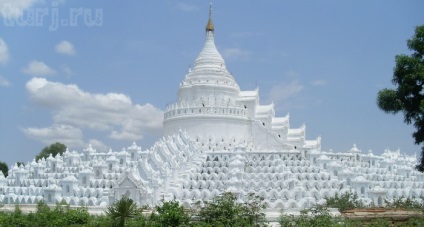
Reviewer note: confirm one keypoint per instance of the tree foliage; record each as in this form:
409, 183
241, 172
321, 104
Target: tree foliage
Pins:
346, 201
317, 216
408, 96
61, 215
53, 149
225, 210
171, 213
121, 211
405, 203
4, 168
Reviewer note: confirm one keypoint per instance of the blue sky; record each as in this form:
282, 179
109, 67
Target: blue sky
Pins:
101, 72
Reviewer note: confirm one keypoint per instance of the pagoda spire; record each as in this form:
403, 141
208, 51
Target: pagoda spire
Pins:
209, 26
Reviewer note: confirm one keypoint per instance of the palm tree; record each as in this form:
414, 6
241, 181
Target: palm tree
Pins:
122, 210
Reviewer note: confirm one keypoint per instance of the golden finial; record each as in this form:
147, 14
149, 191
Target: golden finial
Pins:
209, 26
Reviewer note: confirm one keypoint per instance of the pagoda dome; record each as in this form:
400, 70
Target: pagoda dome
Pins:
360, 179
209, 76
378, 189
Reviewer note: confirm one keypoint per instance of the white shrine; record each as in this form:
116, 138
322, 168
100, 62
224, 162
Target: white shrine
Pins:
217, 138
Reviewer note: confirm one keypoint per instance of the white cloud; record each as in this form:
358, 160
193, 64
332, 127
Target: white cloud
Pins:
4, 52
67, 71
290, 74
98, 145
185, 7
318, 82
15, 8
66, 134
38, 68
288, 95
236, 53
65, 47
292, 93
112, 112
4, 82
284, 91
124, 135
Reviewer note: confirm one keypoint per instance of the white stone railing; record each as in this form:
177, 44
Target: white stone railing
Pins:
182, 111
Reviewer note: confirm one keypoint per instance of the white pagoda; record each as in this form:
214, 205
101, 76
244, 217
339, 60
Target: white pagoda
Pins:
217, 138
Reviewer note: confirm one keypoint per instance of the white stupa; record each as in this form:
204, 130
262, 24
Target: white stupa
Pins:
212, 109
217, 138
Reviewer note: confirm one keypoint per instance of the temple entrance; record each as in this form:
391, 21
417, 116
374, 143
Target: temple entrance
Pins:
380, 201
127, 194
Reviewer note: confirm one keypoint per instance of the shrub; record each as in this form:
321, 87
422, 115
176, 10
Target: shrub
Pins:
225, 210
100, 221
79, 216
346, 201
121, 211
404, 203
317, 216
171, 213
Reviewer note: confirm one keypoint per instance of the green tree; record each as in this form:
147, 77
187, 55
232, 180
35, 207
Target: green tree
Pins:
121, 211
225, 210
346, 201
171, 213
317, 216
405, 203
408, 96
252, 207
4, 168
43, 214
54, 149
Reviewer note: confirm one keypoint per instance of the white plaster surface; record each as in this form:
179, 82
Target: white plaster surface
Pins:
216, 139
